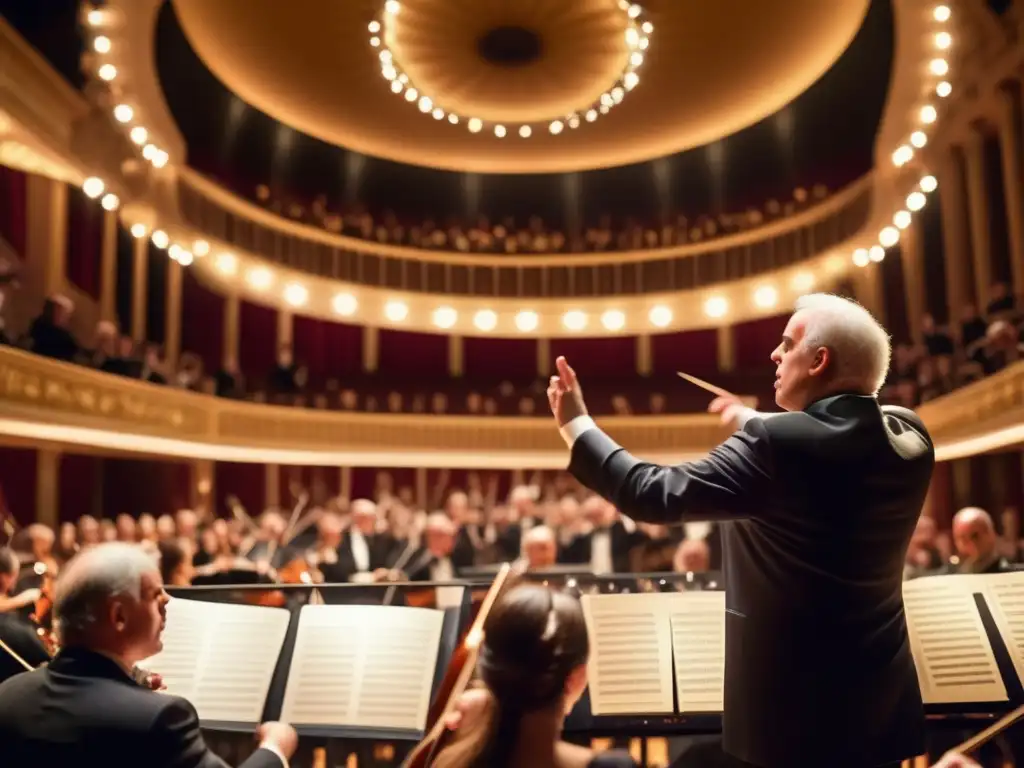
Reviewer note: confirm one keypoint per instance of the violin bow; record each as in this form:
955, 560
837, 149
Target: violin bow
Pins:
11, 652
992, 731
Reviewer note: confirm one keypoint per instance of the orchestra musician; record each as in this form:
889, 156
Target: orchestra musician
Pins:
977, 544
822, 502
532, 669
111, 607
365, 552
15, 631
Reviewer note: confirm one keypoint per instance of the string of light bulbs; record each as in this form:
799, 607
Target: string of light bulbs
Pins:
638, 32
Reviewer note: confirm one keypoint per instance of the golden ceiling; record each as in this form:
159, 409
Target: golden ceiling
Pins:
711, 69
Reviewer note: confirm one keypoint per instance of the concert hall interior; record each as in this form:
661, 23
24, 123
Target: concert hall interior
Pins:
282, 290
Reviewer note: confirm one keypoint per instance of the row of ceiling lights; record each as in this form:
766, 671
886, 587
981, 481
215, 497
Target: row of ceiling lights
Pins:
938, 67
295, 294
97, 19
637, 40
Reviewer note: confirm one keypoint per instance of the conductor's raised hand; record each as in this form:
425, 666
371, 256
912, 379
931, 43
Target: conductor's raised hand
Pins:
564, 394
730, 408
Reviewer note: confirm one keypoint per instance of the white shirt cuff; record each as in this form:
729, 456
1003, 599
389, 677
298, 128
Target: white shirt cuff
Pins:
575, 428
272, 748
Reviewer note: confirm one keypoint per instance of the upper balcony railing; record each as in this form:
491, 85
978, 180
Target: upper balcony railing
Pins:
222, 215
47, 402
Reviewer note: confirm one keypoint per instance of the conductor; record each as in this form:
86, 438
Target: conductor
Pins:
821, 502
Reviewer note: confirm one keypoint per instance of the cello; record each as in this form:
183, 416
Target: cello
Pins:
459, 674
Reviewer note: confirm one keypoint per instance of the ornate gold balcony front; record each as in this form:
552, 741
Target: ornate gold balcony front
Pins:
43, 401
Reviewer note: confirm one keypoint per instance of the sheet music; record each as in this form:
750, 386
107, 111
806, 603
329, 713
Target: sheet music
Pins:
363, 665
955, 663
1004, 594
221, 656
631, 653
698, 648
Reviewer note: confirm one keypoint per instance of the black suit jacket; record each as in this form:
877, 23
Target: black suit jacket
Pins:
83, 709
383, 549
823, 503
20, 636
579, 550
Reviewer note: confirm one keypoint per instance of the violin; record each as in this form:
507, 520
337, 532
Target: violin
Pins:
42, 612
459, 674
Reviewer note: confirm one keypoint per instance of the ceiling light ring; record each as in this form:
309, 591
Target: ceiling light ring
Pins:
638, 33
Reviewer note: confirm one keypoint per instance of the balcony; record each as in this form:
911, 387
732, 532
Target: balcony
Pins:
42, 401
212, 212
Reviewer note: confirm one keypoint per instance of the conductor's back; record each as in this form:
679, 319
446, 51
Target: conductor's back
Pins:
818, 506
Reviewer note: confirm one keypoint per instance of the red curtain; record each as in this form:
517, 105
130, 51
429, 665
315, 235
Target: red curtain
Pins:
245, 481
80, 492
328, 350
689, 351
18, 482
489, 359
136, 486
202, 322
13, 206
755, 340
613, 357
363, 482
409, 354
84, 241
257, 342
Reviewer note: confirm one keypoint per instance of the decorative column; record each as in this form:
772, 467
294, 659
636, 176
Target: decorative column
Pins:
455, 356
48, 486
371, 348
232, 315
172, 322
46, 224
285, 329
912, 256
644, 357
345, 483
544, 358
140, 268
956, 245
272, 486
108, 267
1013, 185
981, 236
422, 489
962, 496
202, 498
867, 287
726, 348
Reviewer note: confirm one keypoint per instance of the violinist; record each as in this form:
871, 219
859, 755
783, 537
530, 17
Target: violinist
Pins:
365, 551
324, 559
532, 670
175, 564
16, 632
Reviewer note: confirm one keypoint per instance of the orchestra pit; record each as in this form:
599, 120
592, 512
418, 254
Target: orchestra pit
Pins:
455, 383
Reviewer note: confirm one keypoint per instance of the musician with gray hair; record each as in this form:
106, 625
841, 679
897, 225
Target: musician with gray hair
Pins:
87, 706
818, 503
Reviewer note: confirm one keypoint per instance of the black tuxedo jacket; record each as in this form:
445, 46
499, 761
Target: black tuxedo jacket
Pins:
579, 549
20, 637
83, 709
823, 503
420, 563
383, 549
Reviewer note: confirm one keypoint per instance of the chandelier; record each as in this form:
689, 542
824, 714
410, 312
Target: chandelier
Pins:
638, 33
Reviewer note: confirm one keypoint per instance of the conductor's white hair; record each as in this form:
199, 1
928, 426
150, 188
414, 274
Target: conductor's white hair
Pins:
540, 534
92, 578
859, 346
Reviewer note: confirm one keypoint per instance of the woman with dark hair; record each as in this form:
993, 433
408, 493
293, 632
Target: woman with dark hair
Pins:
532, 669
175, 564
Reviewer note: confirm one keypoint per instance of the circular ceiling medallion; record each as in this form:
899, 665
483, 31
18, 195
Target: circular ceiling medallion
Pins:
712, 69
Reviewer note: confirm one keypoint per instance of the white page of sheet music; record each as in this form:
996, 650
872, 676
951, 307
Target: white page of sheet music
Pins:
954, 659
221, 657
363, 665
1004, 594
631, 653
698, 648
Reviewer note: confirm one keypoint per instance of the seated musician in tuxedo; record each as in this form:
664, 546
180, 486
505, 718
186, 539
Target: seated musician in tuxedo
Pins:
85, 707
16, 632
607, 545
365, 553
437, 559
977, 544
540, 548
532, 670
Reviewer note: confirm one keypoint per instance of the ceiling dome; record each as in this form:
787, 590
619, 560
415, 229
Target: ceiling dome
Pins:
710, 70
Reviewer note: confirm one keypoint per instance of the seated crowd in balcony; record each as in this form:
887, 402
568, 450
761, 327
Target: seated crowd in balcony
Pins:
511, 236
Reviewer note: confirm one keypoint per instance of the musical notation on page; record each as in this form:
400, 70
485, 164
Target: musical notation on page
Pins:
631, 654
221, 657
363, 665
954, 658
1004, 595
698, 648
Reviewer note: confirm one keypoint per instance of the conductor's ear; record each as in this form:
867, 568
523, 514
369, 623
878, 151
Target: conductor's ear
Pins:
822, 358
